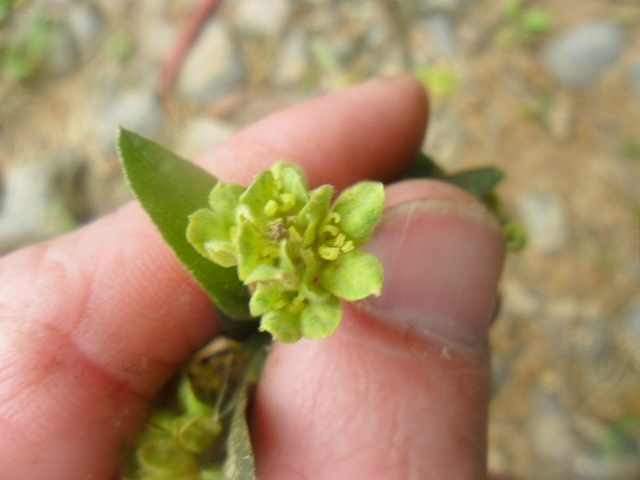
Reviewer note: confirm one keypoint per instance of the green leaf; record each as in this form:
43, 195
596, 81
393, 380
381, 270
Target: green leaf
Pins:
353, 275
479, 182
208, 236
170, 189
239, 464
425, 167
360, 207
283, 325
321, 317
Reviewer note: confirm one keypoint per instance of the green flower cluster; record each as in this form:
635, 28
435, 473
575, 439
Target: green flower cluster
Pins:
173, 441
295, 250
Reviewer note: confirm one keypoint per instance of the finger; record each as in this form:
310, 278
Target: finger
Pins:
401, 390
93, 323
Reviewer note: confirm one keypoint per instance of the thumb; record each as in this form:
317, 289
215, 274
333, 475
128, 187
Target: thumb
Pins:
401, 390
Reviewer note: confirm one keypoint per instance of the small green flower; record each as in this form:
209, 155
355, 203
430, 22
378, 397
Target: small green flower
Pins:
297, 252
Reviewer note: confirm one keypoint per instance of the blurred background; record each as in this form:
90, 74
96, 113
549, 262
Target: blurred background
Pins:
547, 91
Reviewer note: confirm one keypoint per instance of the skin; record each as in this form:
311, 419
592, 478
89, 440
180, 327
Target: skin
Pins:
93, 323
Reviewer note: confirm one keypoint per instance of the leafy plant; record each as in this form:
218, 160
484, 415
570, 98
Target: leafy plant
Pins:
22, 58
524, 25
273, 250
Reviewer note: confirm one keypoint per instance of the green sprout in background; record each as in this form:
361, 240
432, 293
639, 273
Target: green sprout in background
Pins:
523, 25
23, 57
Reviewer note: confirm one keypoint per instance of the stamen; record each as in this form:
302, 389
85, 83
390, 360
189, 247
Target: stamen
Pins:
271, 208
288, 201
339, 240
348, 246
332, 230
328, 253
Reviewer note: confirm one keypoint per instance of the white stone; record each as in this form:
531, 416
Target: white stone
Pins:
579, 57
292, 64
545, 218
200, 135
261, 17
213, 67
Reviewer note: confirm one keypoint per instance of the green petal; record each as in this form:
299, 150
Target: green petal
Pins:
293, 182
254, 199
209, 235
223, 201
321, 316
313, 213
269, 273
283, 325
353, 275
360, 208
251, 247
268, 296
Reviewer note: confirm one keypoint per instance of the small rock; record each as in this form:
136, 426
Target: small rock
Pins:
293, 61
579, 57
31, 211
87, 23
137, 109
63, 54
213, 67
544, 216
635, 79
266, 19
441, 31
519, 300
630, 329
200, 135
550, 429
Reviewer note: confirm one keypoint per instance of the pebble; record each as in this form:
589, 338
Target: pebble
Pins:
87, 24
520, 301
265, 19
579, 57
31, 212
293, 62
137, 109
213, 67
630, 329
550, 429
200, 135
635, 79
545, 218
441, 31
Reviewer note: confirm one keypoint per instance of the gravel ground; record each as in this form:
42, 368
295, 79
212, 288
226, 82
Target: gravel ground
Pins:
547, 91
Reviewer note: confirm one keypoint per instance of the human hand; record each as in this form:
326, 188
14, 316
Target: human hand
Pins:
93, 323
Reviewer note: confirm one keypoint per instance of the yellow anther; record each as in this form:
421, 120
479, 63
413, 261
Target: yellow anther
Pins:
328, 253
332, 217
288, 201
339, 241
347, 247
332, 230
271, 208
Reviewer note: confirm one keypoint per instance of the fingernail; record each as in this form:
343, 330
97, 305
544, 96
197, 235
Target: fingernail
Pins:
442, 260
